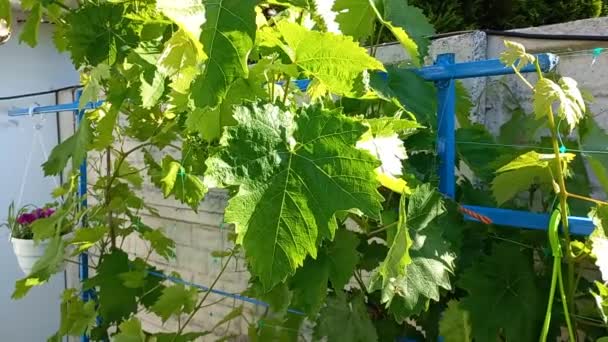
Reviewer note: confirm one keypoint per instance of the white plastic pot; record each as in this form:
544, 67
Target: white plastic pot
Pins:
28, 252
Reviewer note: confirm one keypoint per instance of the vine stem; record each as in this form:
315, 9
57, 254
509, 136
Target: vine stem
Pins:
585, 198
547, 323
202, 301
565, 304
381, 229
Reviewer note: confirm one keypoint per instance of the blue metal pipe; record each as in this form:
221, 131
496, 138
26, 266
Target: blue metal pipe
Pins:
446, 139
66, 107
525, 219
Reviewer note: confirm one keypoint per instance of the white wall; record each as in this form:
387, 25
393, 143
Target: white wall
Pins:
25, 70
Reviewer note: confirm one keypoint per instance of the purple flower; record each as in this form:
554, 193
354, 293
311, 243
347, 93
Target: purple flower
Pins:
26, 218
29, 218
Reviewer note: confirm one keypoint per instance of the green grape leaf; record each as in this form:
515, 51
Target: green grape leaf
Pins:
29, 34
571, 104
130, 331
593, 138
227, 37
152, 88
104, 127
342, 320
455, 325
186, 187
431, 259
76, 315
116, 301
389, 150
356, 18
525, 170
87, 237
398, 257
180, 60
160, 243
601, 300
235, 313
6, 12
335, 263
335, 62
189, 15
74, 147
599, 239
387, 126
175, 300
408, 23
278, 298
49, 264
521, 128
515, 55
503, 299
93, 87
410, 91
49, 227
173, 337
294, 173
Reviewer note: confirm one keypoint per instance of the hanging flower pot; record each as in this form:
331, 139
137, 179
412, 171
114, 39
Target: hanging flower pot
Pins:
27, 250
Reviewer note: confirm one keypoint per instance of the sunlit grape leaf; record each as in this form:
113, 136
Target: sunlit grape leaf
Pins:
398, 256
189, 15
334, 61
116, 301
152, 88
515, 55
356, 18
93, 87
525, 170
571, 104
130, 331
175, 300
390, 152
503, 296
455, 325
6, 12
74, 147
86, 238
104, 127
186, 187
294, 173
50, 263
180, 60
599, 239
334, 264
227, 37
342, 320
76, 315
29, 33
409, 25
601, 300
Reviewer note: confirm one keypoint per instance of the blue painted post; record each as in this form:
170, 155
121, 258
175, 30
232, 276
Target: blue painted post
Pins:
82, 193
446, 140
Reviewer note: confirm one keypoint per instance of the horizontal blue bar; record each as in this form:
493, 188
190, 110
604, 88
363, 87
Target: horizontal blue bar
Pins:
66, 107
490, 67
529, 220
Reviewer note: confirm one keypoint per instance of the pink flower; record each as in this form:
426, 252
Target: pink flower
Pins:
26, 218
29, 218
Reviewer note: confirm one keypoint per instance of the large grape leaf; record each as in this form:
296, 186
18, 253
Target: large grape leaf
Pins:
455, 325
599, 239
525, 170
180, 60
431, 256
130, 331
409, 25
77, 316
189, 15
593, 138
175, 300
335, 263
335, 62
398, 256
50, 263
571, 105
74, 147
503, 296
294, 173
342, 320
116, 301
228, 36
356, 18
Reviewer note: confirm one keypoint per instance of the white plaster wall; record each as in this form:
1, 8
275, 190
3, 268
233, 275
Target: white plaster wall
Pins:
24, 70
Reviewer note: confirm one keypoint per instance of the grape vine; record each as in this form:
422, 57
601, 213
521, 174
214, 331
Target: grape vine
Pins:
332, 190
